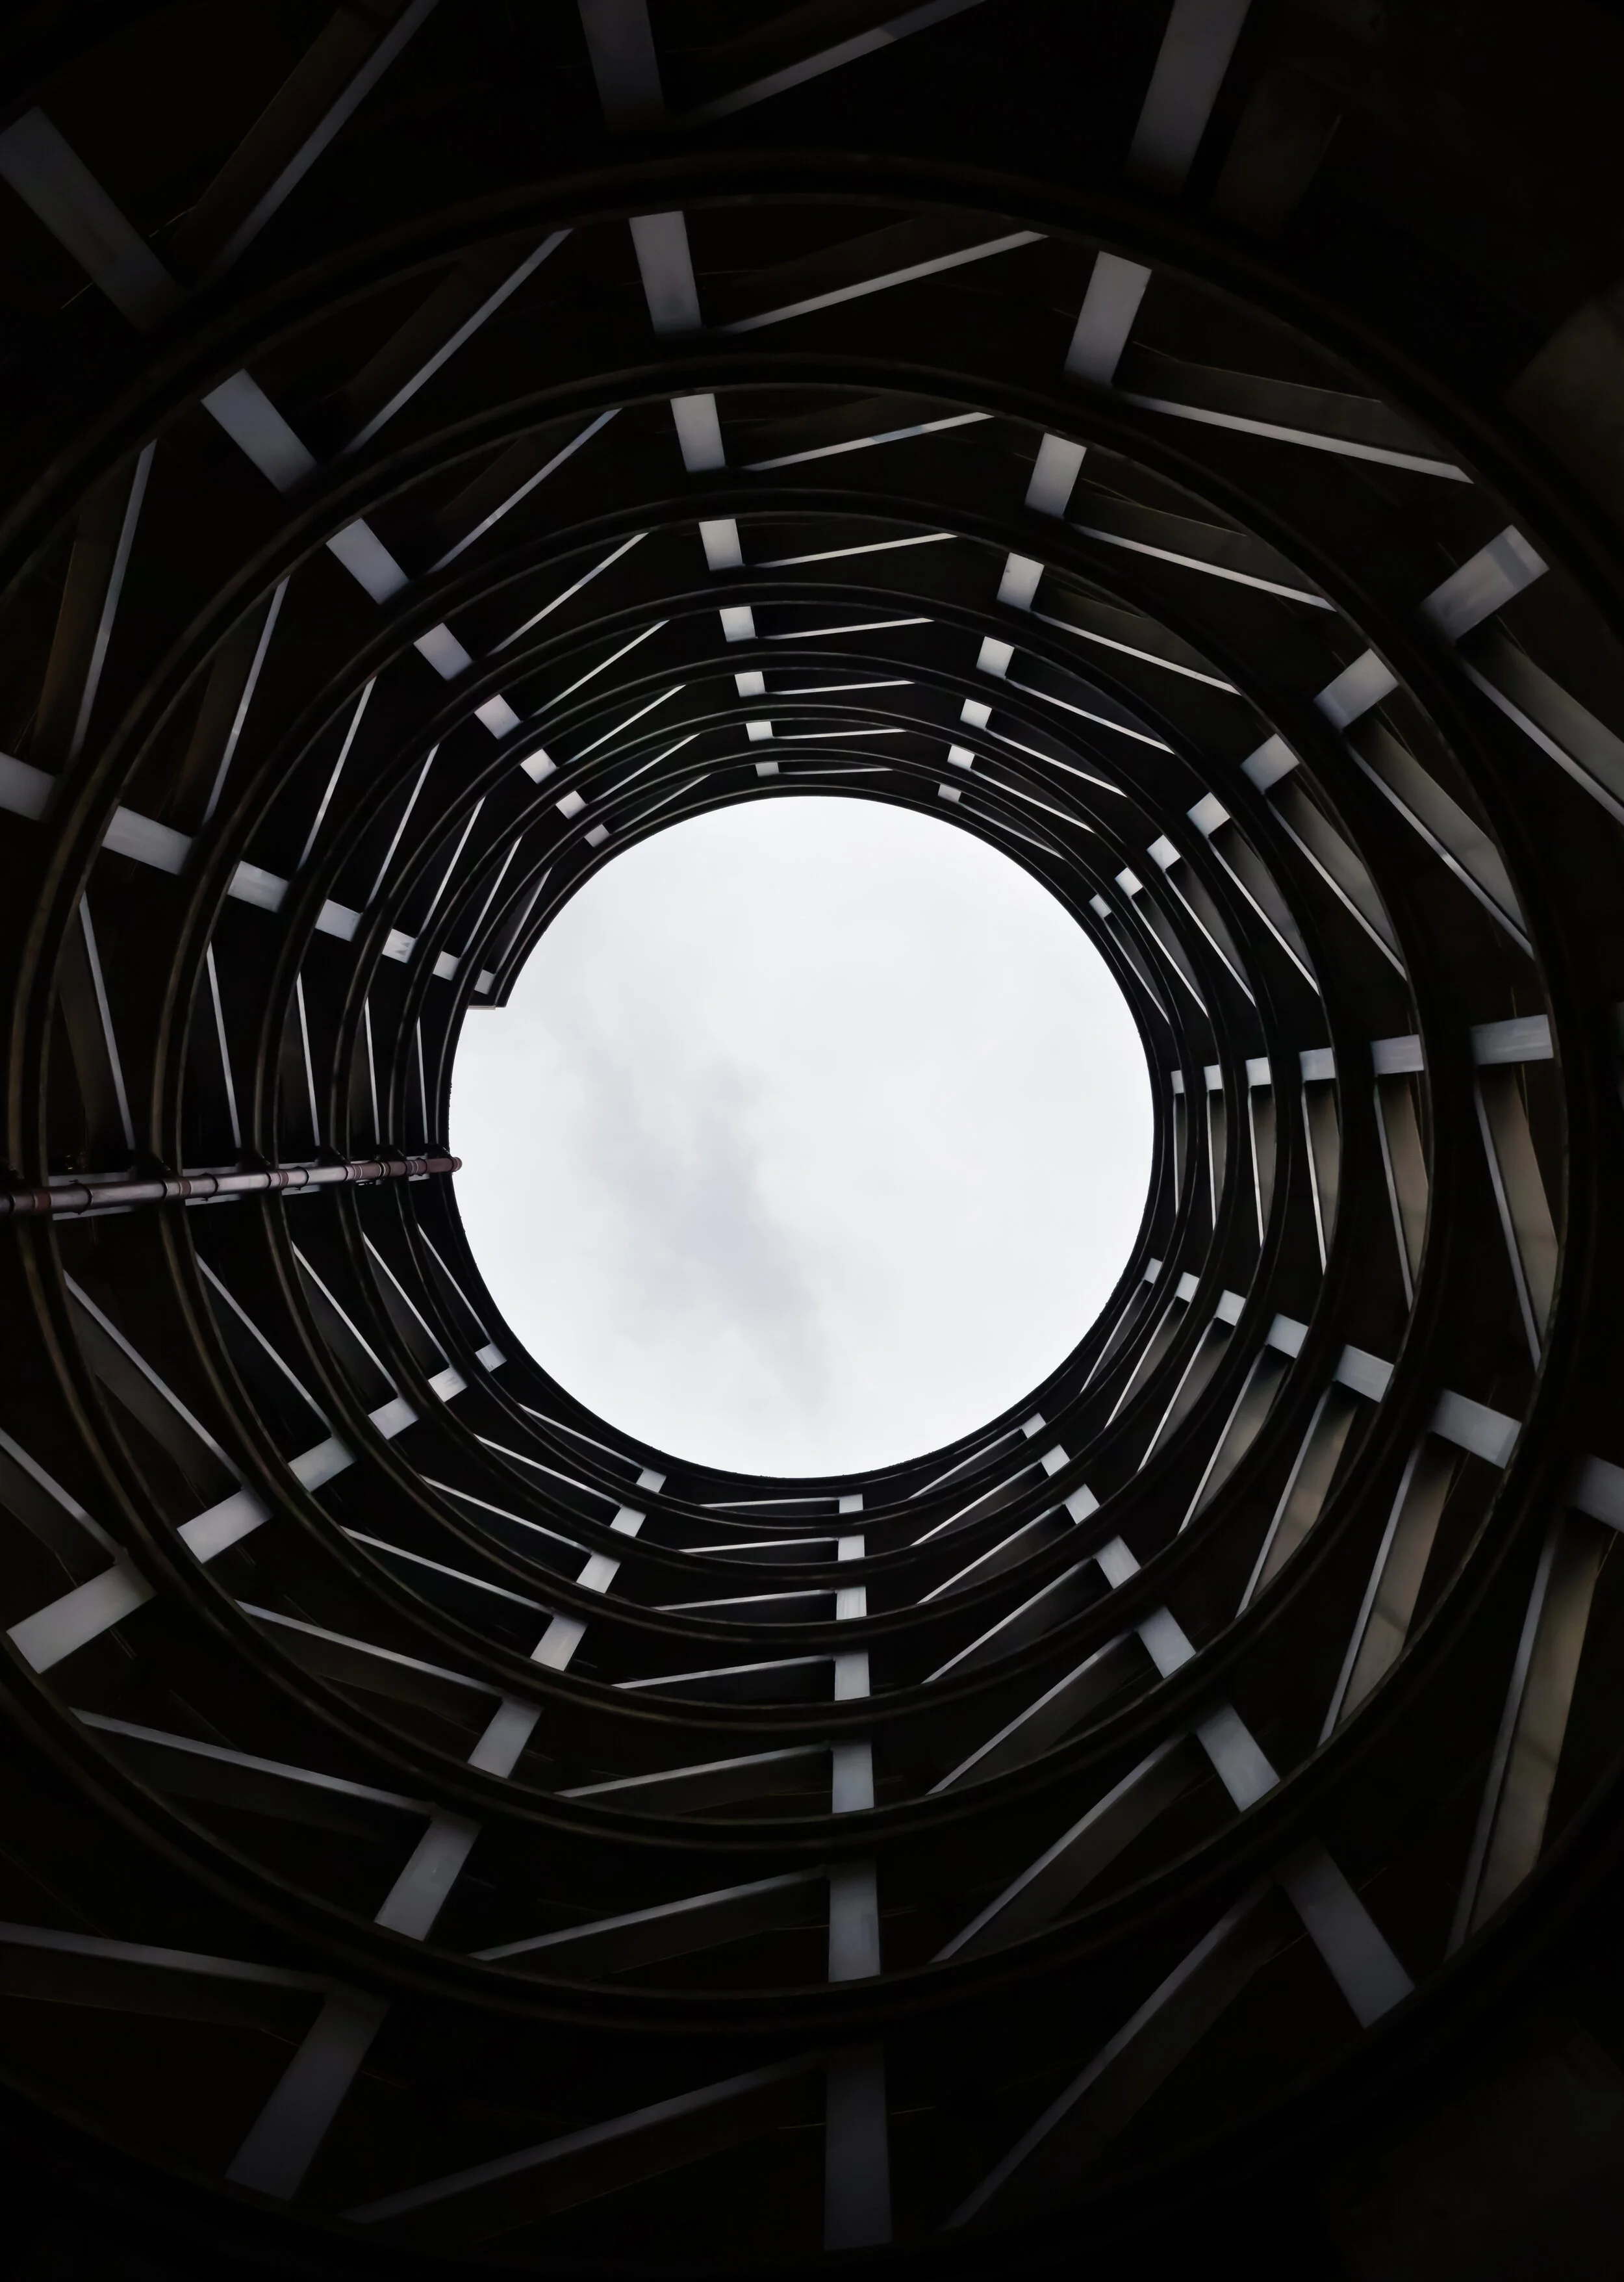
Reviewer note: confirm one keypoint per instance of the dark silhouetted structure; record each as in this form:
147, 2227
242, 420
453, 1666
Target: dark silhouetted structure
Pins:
1174, 1827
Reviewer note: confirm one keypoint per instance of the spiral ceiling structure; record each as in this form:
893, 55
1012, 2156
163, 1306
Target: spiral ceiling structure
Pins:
447, 444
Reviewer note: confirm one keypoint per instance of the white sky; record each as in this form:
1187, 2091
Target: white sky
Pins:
815, 1134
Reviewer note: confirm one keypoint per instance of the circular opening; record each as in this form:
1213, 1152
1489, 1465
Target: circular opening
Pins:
815, 1133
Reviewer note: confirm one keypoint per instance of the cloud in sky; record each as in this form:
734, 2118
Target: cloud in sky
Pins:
815, 1133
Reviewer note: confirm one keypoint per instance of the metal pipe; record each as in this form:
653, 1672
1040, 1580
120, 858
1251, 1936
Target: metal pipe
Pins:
189, 1188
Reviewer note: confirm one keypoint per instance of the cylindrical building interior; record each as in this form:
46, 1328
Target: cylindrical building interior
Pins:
446, 446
